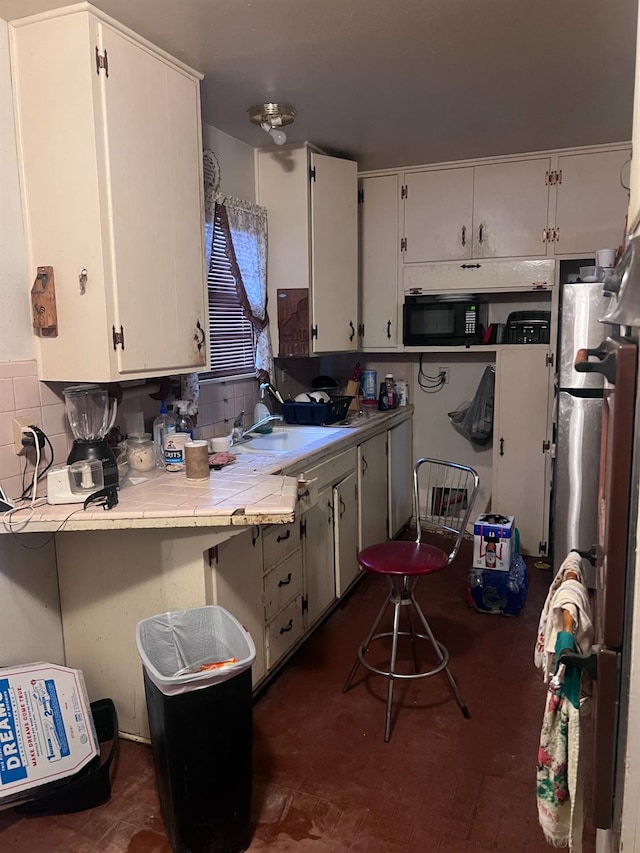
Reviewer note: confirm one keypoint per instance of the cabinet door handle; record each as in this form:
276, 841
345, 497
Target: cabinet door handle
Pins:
353, 331
255, 538
502, 447
365, 465
330, 508
199, 333
389, 329
288, 628
287, 582
342, 507
480, 233
463, 235
283, 537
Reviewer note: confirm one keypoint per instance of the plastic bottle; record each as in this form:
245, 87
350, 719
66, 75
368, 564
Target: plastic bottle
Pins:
391, 391
383, 401
262, 410
184, 421
164, 423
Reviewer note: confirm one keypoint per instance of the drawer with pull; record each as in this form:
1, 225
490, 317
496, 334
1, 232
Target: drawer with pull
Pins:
278, 541
283, 632
282, 584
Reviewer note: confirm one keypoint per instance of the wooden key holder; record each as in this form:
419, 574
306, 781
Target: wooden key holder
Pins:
43, 303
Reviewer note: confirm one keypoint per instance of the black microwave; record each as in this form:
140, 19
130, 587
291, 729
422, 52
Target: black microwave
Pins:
437, 320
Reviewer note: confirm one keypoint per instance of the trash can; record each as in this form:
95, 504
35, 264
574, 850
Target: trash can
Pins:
197, 677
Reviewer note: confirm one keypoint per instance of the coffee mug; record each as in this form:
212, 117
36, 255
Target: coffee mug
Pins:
220, 444
605, 258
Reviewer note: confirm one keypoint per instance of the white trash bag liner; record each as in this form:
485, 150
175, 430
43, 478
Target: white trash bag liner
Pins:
173, 646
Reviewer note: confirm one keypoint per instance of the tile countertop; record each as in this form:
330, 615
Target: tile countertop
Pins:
255, 489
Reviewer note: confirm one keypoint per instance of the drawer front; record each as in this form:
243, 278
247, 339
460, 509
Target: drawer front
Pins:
333, 470
284, 631
278, 542
282, 584
485, 276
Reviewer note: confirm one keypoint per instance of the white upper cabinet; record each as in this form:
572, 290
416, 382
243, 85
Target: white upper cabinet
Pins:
334, 254
438, 215
111, 160
592, 201
510, 209
311, 202
378, 262
499, 210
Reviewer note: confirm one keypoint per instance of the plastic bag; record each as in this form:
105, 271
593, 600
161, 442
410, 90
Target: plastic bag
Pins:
474, 420
175, 646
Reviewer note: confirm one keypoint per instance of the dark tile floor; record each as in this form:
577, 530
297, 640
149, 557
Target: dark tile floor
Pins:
325, 781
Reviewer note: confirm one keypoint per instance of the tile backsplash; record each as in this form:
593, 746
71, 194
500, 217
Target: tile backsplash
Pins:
21, 393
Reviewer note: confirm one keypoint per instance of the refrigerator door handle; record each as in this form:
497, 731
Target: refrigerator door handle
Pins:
606, 364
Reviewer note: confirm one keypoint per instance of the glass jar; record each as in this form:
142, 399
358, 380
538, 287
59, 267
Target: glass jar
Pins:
141, 452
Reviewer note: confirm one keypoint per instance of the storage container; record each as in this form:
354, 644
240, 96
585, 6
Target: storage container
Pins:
319, 414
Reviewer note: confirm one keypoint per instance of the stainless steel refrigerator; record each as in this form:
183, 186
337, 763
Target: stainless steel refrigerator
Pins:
578, 424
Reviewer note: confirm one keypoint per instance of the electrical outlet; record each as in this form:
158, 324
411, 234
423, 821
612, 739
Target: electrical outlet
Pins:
18, 423
444, 372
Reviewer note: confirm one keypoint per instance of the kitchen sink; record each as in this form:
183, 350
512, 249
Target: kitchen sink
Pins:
287, 439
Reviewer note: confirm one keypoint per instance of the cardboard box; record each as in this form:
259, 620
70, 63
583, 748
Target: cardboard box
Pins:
493, 542
46, 727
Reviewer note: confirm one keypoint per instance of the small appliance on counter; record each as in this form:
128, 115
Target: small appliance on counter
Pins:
69, 484
528, 327
91, 416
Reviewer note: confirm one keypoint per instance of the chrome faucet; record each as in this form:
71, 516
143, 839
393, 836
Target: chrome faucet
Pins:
239, 433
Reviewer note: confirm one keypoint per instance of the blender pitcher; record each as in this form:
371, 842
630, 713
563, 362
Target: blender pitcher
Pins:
91, 416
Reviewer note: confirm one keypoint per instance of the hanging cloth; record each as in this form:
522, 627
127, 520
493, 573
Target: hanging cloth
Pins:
559, 788
565, 593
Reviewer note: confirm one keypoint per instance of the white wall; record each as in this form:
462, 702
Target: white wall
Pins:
30, 627
237, 163
16, 340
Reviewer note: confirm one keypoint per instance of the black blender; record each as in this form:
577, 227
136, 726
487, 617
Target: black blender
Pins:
91, 416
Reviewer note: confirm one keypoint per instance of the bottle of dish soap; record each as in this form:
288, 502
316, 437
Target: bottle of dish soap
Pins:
184, 421
263, 410
164, 423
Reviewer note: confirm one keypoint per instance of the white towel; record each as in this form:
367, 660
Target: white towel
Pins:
573, 596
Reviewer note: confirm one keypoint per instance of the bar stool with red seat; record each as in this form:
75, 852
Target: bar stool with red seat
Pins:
449, 492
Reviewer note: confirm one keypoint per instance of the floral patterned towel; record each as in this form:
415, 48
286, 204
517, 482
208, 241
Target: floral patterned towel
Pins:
559, 783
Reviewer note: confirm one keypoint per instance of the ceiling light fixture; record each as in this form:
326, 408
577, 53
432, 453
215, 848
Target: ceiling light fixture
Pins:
271, 118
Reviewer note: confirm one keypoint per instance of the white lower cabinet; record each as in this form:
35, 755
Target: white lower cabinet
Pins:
345, 522
282, 590
521, 443
284, 631
282, 584
237, 585
373, 501
319, 571
400, 445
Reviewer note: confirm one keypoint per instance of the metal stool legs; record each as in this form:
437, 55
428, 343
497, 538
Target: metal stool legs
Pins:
401, 594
